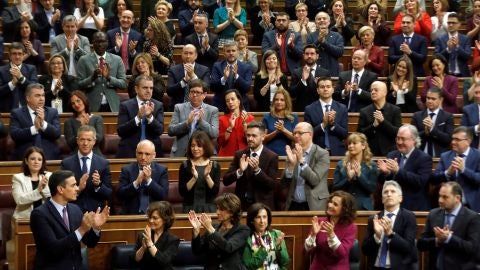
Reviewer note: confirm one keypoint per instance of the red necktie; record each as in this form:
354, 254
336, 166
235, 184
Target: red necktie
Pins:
125, 50
101, 63
283, 53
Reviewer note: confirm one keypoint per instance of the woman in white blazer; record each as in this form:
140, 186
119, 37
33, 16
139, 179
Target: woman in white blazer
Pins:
30, 188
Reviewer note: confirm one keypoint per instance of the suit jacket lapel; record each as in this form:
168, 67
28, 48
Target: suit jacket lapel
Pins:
57, 216
26, 114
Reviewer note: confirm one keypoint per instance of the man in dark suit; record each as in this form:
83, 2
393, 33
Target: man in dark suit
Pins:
285, 42
143, 181
329, 119
254, 169
124, 40
330, 44
14, 79
390, 239
435, 125
186, 18
306, 172
205, 42
461, 164
179, 75
60, 228
140, 118
409, 43
410, 167
230, 74
452, 231
471, 117
353, 85
456, 47
380, 121
91, 170
35, 125
304, 79
48, 20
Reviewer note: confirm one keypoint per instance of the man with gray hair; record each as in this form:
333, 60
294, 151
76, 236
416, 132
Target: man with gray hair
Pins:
410, 167
390, 239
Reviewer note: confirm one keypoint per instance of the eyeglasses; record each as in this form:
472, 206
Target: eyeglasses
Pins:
459, 139
195, 93
300, 133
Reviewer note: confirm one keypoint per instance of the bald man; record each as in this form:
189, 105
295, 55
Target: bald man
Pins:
380, 121
179, 75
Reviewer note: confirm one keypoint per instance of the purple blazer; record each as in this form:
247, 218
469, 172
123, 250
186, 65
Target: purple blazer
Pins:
450, 91
324, 257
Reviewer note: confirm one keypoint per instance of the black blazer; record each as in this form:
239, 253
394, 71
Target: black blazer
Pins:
263, 102
44, 26
7, 96
209, 57
403, 253
441, 134
167, 248
69, 85
364, 98
305, 94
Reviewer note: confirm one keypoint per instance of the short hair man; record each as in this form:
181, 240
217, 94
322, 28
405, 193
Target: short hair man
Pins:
380, 121
143, 181
461, 164
91, 170
14, 79
60, 228
471, 117
186, 18
35, 125
254, 169
206, 42
329, 119
390, 239
191, 116
304, 79
179, 75
410, 167
140, 118
452, 231
13, 16
101, 74
306, 172
434, 124
48, 19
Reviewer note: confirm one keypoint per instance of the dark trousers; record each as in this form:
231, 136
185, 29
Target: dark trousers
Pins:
296, 206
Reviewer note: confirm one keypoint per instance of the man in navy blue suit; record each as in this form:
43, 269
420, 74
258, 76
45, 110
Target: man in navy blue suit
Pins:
286, 43
230, 74
124, 40
49, 21
390, 239
329, 119
461, 164
140, 118
409, 43
60, 228
91, 170
143, 181
35, 125
179, 76
455, 47
410, 167
14, 79
471, 117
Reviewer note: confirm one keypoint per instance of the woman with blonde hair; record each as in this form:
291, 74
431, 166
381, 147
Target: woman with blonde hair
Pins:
402, 86
375, 62
268, 80
244, 54
302, 25
162, 11
357, 173
159, 45
280, 122
228, 19
143, 65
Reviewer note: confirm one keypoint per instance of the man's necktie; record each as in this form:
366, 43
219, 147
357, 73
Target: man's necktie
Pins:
403, 159
101, 63
124, 50
382, 260
200, 40
457, 173
84, 165
452, 61
37, 140
283, 53
430, 144
352, 100
407, 40
230, 79
193, 126
144, 199
65, 218
327, 139
143, 125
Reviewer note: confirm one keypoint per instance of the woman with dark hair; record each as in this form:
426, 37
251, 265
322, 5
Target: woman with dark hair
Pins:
222, 244
117, 7
30, 188
232, 125
82, 116
265, 247
159, 45
58, 84
90, 18
332, 237
33, 47
268, 80
372, 16
143, 65
280, 122
357, 173
156, 247
375, 62
199, 176
262, 20
341, 23
402, 86
449, 84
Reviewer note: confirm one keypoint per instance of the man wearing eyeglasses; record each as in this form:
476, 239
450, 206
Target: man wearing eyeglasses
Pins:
461, 164
306, 172
191, 116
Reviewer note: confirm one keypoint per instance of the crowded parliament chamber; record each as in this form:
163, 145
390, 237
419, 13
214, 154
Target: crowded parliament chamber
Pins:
240, 134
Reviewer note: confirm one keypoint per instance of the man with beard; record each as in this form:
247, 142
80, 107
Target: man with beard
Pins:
186, 18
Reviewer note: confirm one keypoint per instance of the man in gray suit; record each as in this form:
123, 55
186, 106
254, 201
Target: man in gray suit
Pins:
306, 172
101, 73
191, 116
70, 45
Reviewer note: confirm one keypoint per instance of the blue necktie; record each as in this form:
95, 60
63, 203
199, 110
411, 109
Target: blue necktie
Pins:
84, 165
352, 101
382, 261
193, 126
407, 40
143, 125
327, 139
452, 61
430, 144
230, 78
144, 198
403, 159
